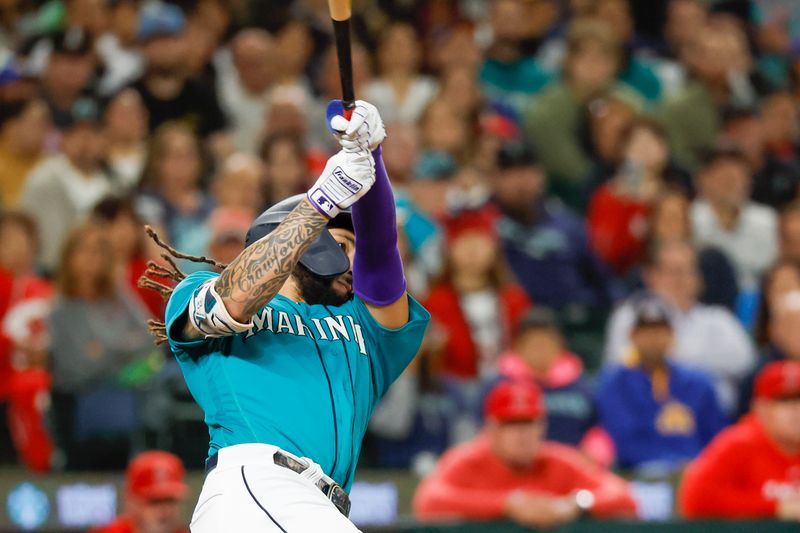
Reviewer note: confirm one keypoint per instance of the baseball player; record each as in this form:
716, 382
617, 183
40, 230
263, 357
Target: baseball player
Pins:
291, 347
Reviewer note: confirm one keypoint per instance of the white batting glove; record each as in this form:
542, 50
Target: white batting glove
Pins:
346, 178
363, 131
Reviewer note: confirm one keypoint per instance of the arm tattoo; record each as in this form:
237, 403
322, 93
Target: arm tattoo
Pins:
260, 271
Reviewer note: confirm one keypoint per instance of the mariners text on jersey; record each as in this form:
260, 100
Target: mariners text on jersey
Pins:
305, 378
329, 328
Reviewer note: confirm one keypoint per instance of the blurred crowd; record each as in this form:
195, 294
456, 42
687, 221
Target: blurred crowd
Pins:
597, 196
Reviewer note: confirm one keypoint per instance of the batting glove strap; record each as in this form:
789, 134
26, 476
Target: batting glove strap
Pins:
208, 314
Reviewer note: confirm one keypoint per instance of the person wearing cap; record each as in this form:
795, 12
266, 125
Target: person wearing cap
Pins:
545, 244
165, 87
707, 337
510, 471
723, 216
67, 76
539, 352
154, 493
752, 469
659, 413
65, 187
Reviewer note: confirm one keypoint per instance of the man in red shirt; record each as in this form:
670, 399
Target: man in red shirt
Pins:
153, 496
752, 469
509, 471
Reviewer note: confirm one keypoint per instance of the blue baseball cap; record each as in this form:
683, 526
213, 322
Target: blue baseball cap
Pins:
160, 20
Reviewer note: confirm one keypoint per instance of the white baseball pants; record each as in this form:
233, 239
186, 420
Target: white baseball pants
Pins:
248, 493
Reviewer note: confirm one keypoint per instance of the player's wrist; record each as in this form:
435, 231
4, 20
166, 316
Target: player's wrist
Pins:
316, 197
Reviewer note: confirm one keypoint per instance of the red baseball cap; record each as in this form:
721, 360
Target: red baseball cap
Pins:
779, 380
515, 400
474, 220
155, 475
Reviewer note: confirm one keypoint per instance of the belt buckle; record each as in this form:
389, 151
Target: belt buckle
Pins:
337, 495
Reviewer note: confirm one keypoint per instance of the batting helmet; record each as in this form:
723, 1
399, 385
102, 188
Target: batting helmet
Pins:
324, 258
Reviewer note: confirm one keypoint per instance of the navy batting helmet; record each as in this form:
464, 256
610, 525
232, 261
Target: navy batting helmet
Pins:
324, 258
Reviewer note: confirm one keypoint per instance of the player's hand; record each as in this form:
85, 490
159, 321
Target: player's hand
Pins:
363, 131
789, 508
541, 511
346, 178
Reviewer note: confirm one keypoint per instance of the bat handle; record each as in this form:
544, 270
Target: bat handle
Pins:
349, 105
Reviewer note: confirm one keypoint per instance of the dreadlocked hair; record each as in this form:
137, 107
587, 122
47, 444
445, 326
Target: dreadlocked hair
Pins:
169, 271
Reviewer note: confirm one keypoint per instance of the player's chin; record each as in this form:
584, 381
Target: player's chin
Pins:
342, 287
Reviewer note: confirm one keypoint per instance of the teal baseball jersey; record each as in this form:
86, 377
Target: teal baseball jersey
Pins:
305, 378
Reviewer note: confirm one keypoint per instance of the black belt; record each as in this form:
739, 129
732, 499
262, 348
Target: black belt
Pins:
333, 491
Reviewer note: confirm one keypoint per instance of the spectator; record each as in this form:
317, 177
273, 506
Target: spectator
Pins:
789, 232
116, 48
25, 301
509, 471
62, 189
454, 47
126, 134
100, 347
228, 226
669, 217
246, 74
240, 184
165, 87
539, 353
295, 47
781, 172
130, 251
705, 337
749, 470
715, 57
659, 413
401, 157
783, 328
400, 92
285, 166
769, 141
23, 125
724, 217
618, 211
446, 137
782, 278
154, 493
545, 244
509, 73
685, 20
552, 119
477, 309
475, 303
669, 222
174, 197
460, 88
606, 123
635, 71
67, 76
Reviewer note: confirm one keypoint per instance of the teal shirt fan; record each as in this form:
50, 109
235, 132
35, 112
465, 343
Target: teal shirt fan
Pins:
305, 378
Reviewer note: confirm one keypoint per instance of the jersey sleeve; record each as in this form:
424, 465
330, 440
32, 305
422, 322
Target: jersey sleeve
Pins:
177, 307
391, 350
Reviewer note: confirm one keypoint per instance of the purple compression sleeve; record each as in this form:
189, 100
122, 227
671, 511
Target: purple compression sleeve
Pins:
378, 277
